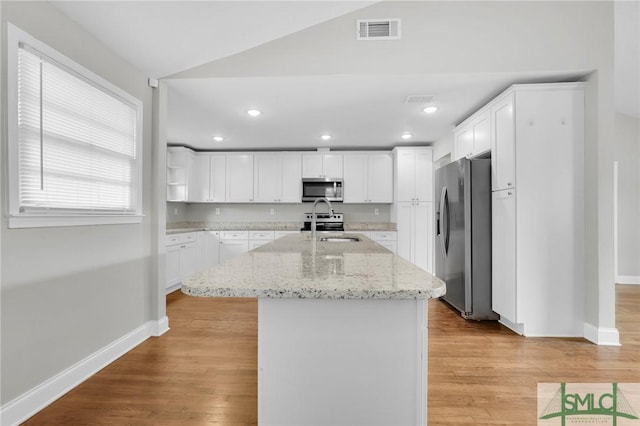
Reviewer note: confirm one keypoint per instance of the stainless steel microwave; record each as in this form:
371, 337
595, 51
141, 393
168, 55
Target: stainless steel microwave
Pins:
329, 188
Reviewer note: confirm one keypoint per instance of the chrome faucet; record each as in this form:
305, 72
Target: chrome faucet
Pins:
314, 215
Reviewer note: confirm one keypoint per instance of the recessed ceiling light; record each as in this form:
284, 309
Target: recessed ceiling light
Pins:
325, 137
406, 136
218, 138
254, 112
430, 109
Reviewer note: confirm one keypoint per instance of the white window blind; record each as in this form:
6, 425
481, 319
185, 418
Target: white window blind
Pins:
77, 142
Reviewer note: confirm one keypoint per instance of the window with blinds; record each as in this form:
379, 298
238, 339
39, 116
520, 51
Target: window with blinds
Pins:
77, 143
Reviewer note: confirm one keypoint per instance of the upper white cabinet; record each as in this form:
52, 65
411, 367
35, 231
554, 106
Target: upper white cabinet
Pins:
277, 178
503, 137
368, 178
322, 165
209, 182
239, 178
180, 173
413, 174
473, 136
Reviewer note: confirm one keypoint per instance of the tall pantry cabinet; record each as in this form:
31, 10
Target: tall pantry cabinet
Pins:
537, 155
412, 209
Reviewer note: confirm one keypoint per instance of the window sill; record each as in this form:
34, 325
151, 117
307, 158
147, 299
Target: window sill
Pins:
45, 221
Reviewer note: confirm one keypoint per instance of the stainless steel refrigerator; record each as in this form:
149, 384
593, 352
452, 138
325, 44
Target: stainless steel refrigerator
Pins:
463, 236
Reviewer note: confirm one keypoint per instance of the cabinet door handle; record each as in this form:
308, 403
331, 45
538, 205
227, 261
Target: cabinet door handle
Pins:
508, 183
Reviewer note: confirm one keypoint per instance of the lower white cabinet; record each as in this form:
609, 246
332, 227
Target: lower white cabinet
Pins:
503, 259
182, 258
260, 238
209, 249
232, 244
232, 248
387, 239
415, 233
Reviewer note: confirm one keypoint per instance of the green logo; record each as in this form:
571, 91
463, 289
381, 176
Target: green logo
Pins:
565, 404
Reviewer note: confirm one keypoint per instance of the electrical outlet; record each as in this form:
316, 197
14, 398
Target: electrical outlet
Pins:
376, 212
175, 211
272, 211
217, 210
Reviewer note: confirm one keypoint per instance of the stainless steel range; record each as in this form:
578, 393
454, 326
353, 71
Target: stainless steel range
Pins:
325, 222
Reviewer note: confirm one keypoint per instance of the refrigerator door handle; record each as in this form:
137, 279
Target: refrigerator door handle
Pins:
444, 221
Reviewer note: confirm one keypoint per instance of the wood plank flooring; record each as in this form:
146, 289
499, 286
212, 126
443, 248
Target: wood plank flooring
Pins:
203, 371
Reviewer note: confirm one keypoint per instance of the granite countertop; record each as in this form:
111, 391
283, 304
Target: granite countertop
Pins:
295, 266
182, 227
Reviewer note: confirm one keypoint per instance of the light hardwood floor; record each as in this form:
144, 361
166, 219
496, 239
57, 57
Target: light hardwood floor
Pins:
203, 371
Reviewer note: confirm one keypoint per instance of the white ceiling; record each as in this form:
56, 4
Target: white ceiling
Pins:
162, 38
165, 37
358, 111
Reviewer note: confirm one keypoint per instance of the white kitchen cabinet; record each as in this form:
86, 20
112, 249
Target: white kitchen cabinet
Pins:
180, 173
267, 178
188, 259
473, 136
503, 143
208, 183
199, 188
322, 165
232, 244
413, 174
173, 266
232, 248
387, 239
368, 178
503, 262
239, 178
209, 242
277, 178
538, 274
415, 233
182, 258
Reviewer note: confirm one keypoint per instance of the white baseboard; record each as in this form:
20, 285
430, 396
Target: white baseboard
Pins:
160, 327
601, 336
34, 400
627, 279
517, 328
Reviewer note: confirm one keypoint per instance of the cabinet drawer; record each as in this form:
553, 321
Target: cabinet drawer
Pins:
261, 235
172, 240
383, 235
234, 235
187, 237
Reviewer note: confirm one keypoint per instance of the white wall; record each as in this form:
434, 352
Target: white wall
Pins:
233, 212
628, 157
68, 292
477, 37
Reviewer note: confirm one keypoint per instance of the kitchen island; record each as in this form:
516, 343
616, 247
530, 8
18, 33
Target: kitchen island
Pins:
342, 329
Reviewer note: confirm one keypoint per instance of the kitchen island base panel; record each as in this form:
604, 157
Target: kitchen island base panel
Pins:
342, 362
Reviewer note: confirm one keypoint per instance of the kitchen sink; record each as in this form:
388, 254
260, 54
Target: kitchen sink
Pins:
340, 239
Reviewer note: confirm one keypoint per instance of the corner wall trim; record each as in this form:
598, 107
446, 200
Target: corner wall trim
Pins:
602, 336
627, 279
34, 400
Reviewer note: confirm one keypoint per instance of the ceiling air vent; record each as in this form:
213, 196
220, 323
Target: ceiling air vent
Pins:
378, 29
419, 99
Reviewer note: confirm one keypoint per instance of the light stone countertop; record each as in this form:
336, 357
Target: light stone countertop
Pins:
296, 267
182, 227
